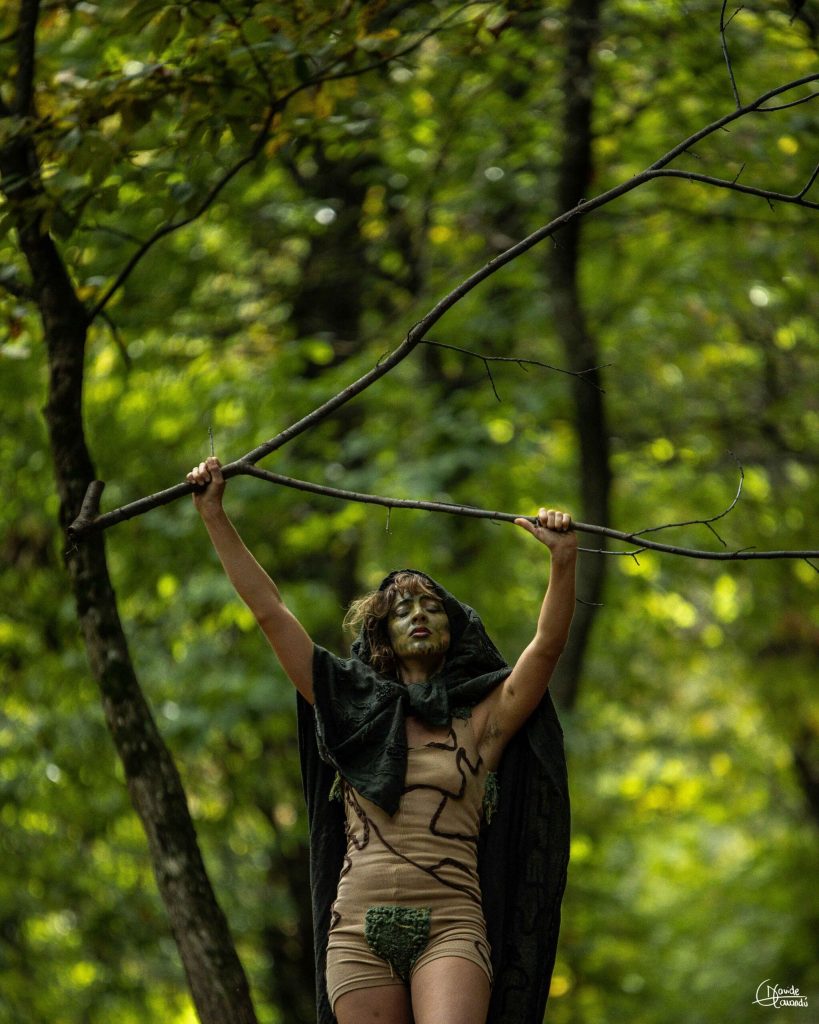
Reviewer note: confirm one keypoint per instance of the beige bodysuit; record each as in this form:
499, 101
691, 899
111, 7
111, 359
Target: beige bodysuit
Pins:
408, 892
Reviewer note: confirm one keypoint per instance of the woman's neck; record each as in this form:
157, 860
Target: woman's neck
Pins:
417, 671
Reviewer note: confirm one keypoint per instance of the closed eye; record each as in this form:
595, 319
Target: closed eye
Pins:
404, 607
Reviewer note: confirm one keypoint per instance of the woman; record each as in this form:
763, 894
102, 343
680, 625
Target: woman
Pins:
420, 727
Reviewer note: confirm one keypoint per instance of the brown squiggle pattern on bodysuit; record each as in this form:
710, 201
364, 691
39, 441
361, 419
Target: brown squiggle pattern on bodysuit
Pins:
461, 757
433, 870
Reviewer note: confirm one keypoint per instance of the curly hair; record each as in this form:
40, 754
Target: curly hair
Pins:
369, 614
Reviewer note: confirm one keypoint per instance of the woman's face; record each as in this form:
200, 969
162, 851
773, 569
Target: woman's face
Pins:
418, 626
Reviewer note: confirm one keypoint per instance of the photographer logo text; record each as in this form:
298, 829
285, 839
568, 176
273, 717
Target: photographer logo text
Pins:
777, 995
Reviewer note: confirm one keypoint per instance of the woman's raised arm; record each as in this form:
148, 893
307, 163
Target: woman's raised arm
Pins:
505, 710
287, 636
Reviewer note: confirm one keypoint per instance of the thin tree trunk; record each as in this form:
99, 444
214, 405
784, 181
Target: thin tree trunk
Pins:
217, 982
580, 345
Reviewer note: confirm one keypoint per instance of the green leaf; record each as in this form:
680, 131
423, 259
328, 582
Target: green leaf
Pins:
165, 29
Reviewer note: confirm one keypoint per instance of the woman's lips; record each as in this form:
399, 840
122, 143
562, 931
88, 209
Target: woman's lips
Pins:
421, 631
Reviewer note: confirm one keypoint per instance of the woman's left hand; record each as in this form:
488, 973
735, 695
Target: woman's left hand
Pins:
553, 528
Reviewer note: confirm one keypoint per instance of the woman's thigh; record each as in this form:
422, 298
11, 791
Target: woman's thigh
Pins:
382, 1004
450, 989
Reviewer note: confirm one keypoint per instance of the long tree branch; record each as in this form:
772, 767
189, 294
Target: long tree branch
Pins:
87, 520
417, 333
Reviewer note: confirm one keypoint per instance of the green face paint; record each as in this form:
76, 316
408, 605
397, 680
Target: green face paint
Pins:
418, 626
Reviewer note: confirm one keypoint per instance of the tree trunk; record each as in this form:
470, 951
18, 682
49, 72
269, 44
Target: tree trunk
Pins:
580, 345
217, 982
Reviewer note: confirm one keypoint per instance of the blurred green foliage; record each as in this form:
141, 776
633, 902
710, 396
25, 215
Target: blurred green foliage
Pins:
694, 844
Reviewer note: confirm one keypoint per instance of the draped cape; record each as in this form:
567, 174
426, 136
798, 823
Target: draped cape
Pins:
356, 728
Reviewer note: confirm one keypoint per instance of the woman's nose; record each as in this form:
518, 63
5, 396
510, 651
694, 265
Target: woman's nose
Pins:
419, 613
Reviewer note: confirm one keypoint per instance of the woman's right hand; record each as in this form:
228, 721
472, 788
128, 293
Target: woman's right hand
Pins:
207, 475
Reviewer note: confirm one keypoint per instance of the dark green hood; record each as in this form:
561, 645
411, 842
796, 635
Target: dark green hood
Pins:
471, 653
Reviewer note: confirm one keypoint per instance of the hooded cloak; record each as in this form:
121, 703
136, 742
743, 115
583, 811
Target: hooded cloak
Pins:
357, 728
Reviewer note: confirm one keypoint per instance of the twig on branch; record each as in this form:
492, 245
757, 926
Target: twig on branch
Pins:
115, 232
787, 106
522, 363
118, 339
810, 181
91, 502
491, 380
89, 521
703, 522
723, 25
779, 197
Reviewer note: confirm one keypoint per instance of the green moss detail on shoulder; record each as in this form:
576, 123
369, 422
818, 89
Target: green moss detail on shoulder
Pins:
491, 795
336, 790
464, 713
398, 935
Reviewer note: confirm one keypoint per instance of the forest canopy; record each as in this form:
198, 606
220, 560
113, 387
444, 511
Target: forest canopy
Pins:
215, 217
